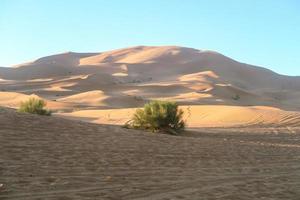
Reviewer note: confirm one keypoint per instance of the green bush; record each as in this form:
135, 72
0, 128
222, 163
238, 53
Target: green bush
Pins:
236, 97
158, 116
34, 106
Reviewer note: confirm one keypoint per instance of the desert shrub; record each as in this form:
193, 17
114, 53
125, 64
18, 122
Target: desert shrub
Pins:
34, 106
236, 97
158, 116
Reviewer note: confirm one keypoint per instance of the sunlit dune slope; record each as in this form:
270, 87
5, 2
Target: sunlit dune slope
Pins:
14, 99
203, 116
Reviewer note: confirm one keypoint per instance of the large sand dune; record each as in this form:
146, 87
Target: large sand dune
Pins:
127, 78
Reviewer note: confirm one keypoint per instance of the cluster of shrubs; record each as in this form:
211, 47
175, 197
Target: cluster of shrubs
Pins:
34, 106
158, 116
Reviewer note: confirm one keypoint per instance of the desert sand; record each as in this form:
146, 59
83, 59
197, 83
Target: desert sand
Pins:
203, 116
52, 158
242, 139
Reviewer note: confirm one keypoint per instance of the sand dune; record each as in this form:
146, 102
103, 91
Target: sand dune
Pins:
95, 97
203, 116
142, 54
14, 99
240, 116
129, 77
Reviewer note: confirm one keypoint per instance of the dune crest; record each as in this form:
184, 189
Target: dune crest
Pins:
87, 98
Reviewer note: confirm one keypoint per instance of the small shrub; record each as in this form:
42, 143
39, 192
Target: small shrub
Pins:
158, 116
34, 106
236, 97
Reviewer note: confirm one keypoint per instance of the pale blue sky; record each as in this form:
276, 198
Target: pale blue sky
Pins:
258, 32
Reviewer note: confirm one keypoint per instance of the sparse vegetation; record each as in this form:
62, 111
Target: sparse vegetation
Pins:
158, 116
34, 106
236, 97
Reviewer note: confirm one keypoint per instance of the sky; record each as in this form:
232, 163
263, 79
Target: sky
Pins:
259, 32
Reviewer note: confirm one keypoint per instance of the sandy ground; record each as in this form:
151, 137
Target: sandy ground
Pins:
52, 158
203, 116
